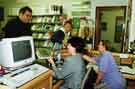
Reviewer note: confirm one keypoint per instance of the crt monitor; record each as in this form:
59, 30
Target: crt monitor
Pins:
17, 51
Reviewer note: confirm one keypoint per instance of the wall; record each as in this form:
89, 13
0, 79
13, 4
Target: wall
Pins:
100, 3
110, 17
132, 23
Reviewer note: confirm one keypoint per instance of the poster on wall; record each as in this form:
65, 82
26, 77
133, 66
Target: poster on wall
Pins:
103, 26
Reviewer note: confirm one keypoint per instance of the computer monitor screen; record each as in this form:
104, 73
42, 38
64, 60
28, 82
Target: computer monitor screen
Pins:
15, 52
21, 49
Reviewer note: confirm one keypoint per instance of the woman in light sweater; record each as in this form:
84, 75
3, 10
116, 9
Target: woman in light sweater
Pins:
73, 69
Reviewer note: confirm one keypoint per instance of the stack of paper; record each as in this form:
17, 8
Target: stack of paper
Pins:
126, 69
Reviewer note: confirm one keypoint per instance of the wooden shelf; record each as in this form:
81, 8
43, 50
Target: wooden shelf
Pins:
37, 15
39, 31
40, 39
47, 23
42, 47
42, 27
46, 15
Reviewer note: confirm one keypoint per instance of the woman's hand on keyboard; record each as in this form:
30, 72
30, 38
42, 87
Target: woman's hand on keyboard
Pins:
50, 60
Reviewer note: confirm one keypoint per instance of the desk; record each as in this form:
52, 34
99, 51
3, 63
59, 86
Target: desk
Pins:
43, 81
128, 73
128, 76
4, 87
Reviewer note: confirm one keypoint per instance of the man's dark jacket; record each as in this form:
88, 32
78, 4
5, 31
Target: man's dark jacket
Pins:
16, 28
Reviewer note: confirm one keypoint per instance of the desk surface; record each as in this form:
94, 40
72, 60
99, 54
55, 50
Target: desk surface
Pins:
128, 76
127, 72
4, 87
36, 83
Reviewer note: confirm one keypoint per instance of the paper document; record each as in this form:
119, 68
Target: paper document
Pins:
126, 69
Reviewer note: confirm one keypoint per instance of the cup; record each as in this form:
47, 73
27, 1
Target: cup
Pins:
2, 70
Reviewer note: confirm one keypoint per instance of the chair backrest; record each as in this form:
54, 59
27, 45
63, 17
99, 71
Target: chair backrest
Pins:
89, 79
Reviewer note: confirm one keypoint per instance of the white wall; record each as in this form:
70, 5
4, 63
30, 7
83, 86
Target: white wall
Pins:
132, 23
97, 3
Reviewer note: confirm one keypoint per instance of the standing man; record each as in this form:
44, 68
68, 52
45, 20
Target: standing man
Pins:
19, 26
62, 19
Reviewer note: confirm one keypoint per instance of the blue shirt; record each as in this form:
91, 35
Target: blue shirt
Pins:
111, 75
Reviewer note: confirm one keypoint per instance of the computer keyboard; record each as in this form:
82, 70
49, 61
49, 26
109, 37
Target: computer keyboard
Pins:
21, 76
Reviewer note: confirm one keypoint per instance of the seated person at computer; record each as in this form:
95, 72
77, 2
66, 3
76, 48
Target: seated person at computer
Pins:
108, 72
61, 35
73, 69
20, 25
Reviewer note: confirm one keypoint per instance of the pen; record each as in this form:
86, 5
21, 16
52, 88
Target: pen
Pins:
20, 72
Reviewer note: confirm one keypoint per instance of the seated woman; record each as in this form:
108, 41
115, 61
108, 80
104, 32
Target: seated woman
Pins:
108, 72
73, 69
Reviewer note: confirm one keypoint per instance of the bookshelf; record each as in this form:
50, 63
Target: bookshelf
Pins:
82, 8
42, 28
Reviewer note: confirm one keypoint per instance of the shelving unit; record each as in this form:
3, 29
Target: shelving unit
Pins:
42, 28
82, 8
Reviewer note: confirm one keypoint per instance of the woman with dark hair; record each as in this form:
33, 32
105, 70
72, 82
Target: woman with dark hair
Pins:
73, 69
108, 72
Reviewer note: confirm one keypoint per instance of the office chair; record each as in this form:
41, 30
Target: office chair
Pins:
89, 79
